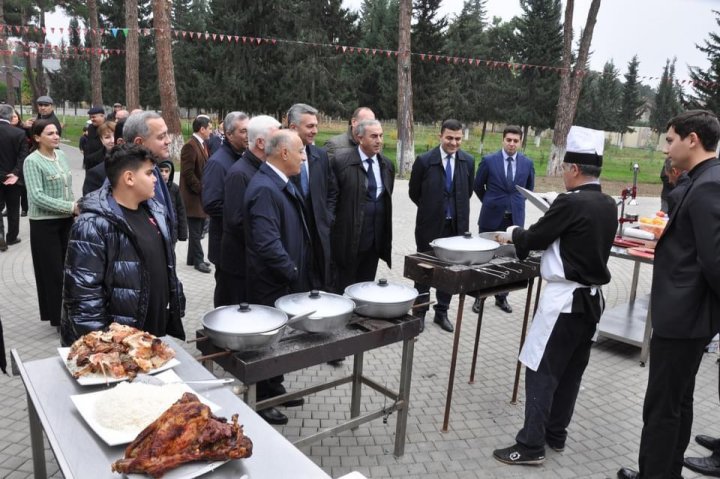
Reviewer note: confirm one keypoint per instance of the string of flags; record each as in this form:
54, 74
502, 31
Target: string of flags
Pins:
224, 38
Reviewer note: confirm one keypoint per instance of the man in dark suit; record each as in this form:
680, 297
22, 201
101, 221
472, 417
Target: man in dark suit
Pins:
94, 150
317, 183
685, 297
213, 193
13, 150
502, 204
193, 156
441, 184
362, 233
279, 244
349, 138
233, 262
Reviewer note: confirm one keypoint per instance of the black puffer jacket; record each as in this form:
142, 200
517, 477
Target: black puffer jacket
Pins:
105, 280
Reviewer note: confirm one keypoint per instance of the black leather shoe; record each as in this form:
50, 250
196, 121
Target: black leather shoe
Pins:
14, 241
202, 267
476, 306
503, 304
627, 473
336, 362
294, 402
441, 319
708, 442
707, 466
273, 416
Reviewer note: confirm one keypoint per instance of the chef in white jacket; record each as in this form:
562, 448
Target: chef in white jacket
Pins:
575, 234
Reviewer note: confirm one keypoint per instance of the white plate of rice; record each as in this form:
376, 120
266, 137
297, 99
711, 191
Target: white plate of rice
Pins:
119, 414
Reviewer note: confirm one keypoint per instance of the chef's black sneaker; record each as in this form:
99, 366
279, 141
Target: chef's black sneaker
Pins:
516, 455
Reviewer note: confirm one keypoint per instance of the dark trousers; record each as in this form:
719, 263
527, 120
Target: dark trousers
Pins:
443, 298
23, 199
551, 391
507, 221
229, 288
48, 245
363, 270
195, 254
10, 197
668, 408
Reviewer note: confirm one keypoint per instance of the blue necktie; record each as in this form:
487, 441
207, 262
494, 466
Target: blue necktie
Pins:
304, 184
372, 184
448, 186
510, 170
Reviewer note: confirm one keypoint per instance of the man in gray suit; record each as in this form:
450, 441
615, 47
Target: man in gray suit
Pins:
349, 139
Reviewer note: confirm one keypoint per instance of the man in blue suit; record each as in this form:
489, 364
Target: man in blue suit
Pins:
502, 204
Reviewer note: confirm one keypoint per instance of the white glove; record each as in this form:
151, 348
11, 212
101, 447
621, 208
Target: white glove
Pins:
550, 196
506, 237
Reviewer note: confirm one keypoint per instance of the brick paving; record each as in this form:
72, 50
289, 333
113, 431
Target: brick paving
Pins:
604, 434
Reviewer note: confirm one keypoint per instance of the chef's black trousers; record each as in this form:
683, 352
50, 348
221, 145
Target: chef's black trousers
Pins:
668, 408
551, 391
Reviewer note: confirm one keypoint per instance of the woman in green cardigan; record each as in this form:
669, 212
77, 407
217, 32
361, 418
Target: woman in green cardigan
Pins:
49, 187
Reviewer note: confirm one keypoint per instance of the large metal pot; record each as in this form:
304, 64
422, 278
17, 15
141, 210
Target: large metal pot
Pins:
381, 299
244, 327
466, 249
328, 311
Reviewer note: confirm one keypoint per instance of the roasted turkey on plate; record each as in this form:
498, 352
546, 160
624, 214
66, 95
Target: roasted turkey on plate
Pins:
188, 431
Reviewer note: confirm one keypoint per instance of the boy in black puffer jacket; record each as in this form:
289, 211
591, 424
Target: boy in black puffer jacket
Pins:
120, 263
180, 228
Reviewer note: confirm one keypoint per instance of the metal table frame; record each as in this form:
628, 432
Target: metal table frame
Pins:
629, 322
251, 369
528, 284
81, 454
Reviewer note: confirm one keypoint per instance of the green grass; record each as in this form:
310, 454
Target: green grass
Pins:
617, 163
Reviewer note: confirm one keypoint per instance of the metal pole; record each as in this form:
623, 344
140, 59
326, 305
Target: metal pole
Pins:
518, 366
453, 361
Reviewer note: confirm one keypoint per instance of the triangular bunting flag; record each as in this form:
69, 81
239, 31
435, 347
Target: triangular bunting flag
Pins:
114, 32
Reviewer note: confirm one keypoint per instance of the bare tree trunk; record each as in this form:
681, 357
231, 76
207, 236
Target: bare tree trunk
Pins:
132, 56
11, 97
95, 76
406, 139
166, 75
570, 83
39, 68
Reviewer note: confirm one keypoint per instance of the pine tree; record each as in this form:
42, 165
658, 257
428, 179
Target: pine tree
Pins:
72, 81
632, 102
707, 82
608, 99
467, 86
667, 99
540, 42
428, 80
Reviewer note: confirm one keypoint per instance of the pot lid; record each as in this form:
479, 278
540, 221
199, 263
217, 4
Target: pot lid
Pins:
466, 242
244, 319
324, 304
381, 291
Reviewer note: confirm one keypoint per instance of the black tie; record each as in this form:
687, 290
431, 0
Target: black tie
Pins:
510, 170
372, 184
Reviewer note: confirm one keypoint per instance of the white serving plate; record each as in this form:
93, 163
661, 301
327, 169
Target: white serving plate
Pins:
95, 379
85, 404
187, 471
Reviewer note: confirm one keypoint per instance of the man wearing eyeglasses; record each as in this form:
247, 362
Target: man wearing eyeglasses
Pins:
502, 204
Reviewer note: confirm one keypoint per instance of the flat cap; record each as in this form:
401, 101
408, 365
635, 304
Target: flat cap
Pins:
44, 99
95, 110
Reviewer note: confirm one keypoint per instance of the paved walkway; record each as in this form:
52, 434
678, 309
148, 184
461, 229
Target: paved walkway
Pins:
604, 434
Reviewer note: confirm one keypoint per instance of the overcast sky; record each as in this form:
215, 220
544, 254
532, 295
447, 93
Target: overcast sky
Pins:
653, 29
